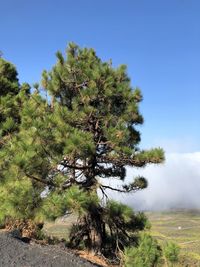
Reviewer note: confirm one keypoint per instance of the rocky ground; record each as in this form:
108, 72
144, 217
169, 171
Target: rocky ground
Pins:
16, 253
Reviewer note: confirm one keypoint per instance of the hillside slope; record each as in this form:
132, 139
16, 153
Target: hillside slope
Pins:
15, 253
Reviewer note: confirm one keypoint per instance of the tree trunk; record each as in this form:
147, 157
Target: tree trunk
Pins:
96, 229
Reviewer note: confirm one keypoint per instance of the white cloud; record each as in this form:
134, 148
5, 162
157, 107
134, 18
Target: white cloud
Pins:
174, 184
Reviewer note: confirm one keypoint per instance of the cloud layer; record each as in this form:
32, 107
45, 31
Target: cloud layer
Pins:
175, 184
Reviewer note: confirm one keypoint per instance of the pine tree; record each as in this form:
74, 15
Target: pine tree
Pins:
148, 253
9, 87
10, 102
171, 252
12, 97
70, 142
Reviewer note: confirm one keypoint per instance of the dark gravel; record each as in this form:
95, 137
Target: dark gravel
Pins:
15, 253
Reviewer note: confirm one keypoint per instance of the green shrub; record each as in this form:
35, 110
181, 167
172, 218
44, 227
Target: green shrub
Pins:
147, 253
171, 252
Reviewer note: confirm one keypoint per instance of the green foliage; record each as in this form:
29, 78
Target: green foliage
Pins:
18, 200
119, 214
123, 225
147, 253
17, 196
57, 204
84, 131
8, 78
171, 252
11, 97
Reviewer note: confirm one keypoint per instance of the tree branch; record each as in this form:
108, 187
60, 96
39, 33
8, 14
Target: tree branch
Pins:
39, 180
114, 189
78, 167
128, 190
103, 192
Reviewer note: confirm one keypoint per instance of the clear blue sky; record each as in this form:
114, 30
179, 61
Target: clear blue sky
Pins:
159, 40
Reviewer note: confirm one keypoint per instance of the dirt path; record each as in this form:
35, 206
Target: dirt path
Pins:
15, 253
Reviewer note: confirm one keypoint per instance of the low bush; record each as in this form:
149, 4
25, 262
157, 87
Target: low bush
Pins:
147, 253
171, 252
